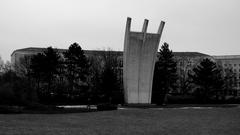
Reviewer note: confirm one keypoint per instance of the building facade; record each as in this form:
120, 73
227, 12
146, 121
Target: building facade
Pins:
186, 61
230, 65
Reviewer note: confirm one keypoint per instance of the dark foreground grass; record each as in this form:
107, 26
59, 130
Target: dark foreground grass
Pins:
216, 121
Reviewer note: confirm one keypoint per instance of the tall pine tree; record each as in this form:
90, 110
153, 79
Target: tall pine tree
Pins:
165, 75
207, 79
76, 69
110, 85
51, 64
44, 68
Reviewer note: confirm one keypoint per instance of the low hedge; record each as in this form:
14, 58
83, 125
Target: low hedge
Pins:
10, 109
106, 107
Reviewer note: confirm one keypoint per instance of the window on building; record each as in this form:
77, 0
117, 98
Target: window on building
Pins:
235, 65
235, 70
226, 65
121, 63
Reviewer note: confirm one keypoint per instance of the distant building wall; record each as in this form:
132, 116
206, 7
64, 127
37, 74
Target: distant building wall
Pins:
231, 63
186, 61
20, 53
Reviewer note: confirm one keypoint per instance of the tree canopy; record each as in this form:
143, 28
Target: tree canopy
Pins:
76, 68
165, 75
208, 79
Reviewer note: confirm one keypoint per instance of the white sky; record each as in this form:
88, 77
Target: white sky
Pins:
207, 26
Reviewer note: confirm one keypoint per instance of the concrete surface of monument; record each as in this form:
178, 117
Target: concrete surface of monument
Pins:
140, 50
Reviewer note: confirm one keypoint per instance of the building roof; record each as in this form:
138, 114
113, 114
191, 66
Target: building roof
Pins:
96, 52
221, 57
36, 50
40, 50
189, 54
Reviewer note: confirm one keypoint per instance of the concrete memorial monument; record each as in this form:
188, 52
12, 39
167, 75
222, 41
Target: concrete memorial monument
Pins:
140, 50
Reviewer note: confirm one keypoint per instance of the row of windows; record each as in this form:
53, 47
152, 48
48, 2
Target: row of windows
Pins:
231, 65
235, 70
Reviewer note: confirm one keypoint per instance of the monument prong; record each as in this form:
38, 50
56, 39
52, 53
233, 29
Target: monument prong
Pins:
145, 25
160, 29
126, 42
128, 24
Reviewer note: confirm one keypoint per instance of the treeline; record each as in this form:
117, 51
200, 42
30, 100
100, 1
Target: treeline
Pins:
204, 83
70, 77
63, 78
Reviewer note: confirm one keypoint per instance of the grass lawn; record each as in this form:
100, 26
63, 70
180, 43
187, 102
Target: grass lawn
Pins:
216, 121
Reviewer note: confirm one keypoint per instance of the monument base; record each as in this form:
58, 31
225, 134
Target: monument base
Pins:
140, 105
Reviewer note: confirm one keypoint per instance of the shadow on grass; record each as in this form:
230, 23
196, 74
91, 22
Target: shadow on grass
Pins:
147, 106
42, 110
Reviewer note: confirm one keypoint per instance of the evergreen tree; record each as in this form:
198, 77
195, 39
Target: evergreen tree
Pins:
94, 81
37, 69
165, 75
76, 69
50, 67
44, 67
110, 85
207, 79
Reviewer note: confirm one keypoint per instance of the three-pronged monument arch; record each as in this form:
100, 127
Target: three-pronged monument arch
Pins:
140, 50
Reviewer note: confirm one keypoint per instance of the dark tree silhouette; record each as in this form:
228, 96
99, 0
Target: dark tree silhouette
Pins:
165, 75
110, 83
37, 69
94, 80
50, 67
76, 69
44, 68
208, 80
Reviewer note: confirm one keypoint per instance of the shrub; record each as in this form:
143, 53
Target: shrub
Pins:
181, 99
15, 90
106, 107
7, 96
10, 109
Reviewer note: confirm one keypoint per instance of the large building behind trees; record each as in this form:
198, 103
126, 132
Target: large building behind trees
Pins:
186, 61
25, 52
230, 65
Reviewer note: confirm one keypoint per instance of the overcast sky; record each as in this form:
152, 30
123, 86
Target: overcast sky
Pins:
206, 26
